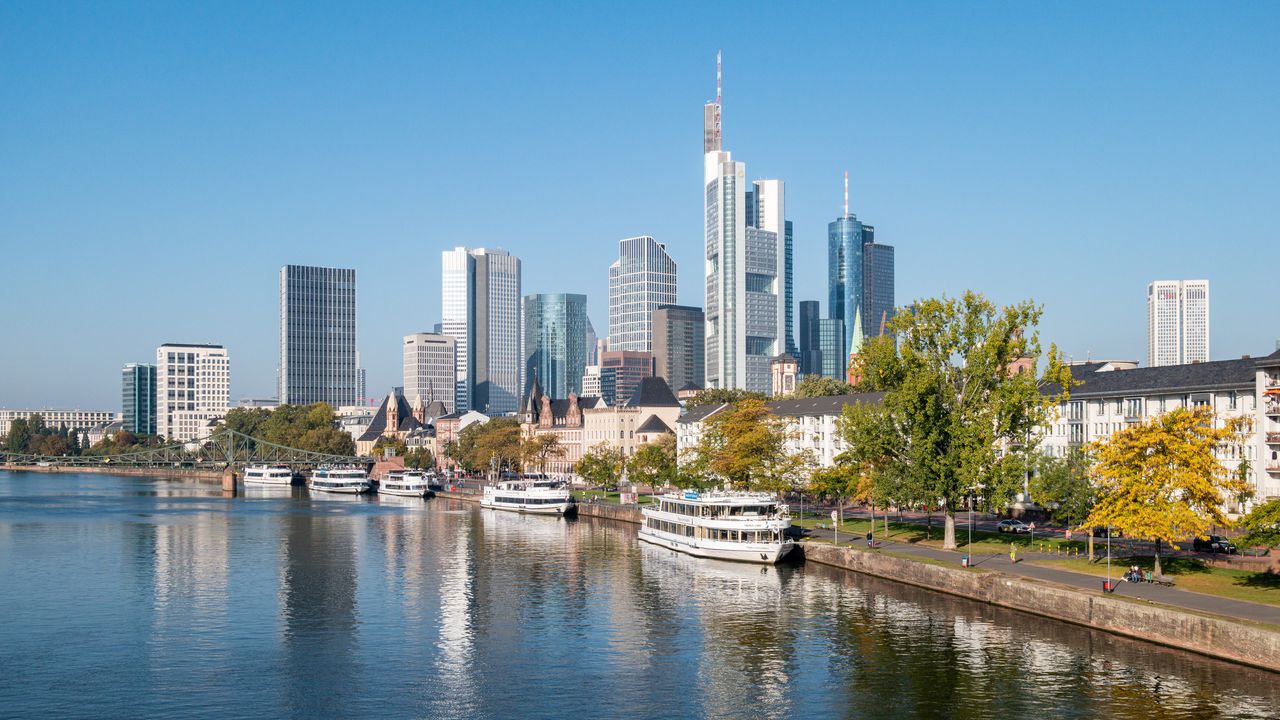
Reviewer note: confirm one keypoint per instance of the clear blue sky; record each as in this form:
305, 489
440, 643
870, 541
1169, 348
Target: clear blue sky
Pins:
159, 162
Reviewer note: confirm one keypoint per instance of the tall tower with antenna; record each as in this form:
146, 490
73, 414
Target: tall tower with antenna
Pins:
711, 116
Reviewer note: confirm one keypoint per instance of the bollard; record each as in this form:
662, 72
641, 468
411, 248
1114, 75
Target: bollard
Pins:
229, 482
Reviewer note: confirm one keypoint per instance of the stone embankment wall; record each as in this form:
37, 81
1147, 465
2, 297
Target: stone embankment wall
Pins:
621, 513
1216, 637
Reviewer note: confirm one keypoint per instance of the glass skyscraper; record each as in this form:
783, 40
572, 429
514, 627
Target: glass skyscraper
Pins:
810, 357
480, 310
844, 270
832, 353
877, 284
555, 343
317, 335
138, 381
642, 278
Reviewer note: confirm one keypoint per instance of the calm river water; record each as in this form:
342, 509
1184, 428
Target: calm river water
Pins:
124, 597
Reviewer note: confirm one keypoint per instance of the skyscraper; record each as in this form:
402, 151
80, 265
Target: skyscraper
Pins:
860, 274
593, 340
480, 310
621, 372
877, 283
555, 342
317, 335
833, 353
430, 360
193, 389
1177, 322
642, 278
745, 266
679, 351
138, 383
810, 359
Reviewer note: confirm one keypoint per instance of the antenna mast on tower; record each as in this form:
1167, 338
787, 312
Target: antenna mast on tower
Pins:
846, 193
718, 90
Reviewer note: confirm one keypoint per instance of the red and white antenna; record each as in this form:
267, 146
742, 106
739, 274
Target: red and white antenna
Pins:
846, 193
719, 87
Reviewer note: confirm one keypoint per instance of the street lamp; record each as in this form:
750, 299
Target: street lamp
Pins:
1108, 556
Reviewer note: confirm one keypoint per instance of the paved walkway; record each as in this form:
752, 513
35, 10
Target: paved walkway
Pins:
1155, 593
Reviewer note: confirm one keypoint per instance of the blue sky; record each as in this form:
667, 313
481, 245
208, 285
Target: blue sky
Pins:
159, 162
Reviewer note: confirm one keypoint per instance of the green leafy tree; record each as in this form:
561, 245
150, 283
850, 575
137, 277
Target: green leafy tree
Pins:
744, 447
813, 386
722, 396
1062, 486
955, 394
1261, 525
498, 439
654, 464
1161, 479
420, 458
247, 421
18, 437
396, 445
601, 466
537, 450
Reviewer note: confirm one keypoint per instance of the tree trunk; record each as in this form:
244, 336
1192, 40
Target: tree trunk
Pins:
1090, 545
1157, 563
949, 530
886, 524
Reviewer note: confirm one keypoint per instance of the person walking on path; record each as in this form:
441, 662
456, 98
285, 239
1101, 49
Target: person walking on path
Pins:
1013, 554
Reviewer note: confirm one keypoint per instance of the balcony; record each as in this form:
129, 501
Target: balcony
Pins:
1273, 469
1273, 438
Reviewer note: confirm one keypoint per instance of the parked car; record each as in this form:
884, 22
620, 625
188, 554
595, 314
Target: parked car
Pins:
1101, 532
1013, 526
1214, 544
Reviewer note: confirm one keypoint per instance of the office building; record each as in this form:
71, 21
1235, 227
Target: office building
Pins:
593, 344
138, 401
480, 309
69, 419
1177, 322
642, 278
833, 353
746, 267
591, 381
877, 284
317, 335
860, 273
555, 342
679, 345
621, 372
810, 313
193, 390
430, 361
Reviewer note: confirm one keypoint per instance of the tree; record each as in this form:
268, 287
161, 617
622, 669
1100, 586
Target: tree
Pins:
246, 421
1261, 525
1062, 486
654, 464
541, 448
955, 395
18, 437
722, 396
744, 447
329, 440
419, 458
602, 466
397, 446
498, 439
812, 386
1161, 480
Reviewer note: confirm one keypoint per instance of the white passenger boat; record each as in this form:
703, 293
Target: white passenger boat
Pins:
346, 480
268, 475
408, 483
530, 494
748, 527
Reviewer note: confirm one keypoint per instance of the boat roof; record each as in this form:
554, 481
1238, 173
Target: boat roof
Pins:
721, 498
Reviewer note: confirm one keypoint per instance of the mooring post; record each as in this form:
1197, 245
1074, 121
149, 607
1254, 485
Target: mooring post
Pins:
229, 481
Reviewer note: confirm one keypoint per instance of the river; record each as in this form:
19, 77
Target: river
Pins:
126, 597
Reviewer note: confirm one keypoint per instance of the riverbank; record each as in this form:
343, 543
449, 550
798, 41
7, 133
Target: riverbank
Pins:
1217, 637
194, 473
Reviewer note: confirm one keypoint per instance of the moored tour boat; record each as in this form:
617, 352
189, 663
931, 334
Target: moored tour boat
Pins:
268, 475
531, 494
408, 483
742, 526
347, 480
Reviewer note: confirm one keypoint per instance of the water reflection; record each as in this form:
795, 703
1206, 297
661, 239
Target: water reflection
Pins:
124, 599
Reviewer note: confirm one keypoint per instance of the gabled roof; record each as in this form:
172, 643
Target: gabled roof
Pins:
653, 392
436, 409
653, 425
830, 405
699, 413
1216, 375
379, 423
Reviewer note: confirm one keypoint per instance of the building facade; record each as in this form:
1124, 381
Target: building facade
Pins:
650, 411
1111, 397
1177, 322
193, 390
621, 372
679, 345
591, 381
318, 335
832, 353
480, 310
877, 285
430, 360
807, 328
642, 278
138, 398
555, 342
69, 419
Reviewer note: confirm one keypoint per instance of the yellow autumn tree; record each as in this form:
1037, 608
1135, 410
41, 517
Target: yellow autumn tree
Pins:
1161, 480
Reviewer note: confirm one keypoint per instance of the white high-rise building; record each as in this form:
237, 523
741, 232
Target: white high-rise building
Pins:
193, 390
1177, 322
745, 267
480, 310
430, 361
642, 278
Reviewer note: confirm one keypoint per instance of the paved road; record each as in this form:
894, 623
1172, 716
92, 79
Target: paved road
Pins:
1155, 593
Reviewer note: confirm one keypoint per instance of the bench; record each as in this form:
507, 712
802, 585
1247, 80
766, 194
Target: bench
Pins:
1165, 580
